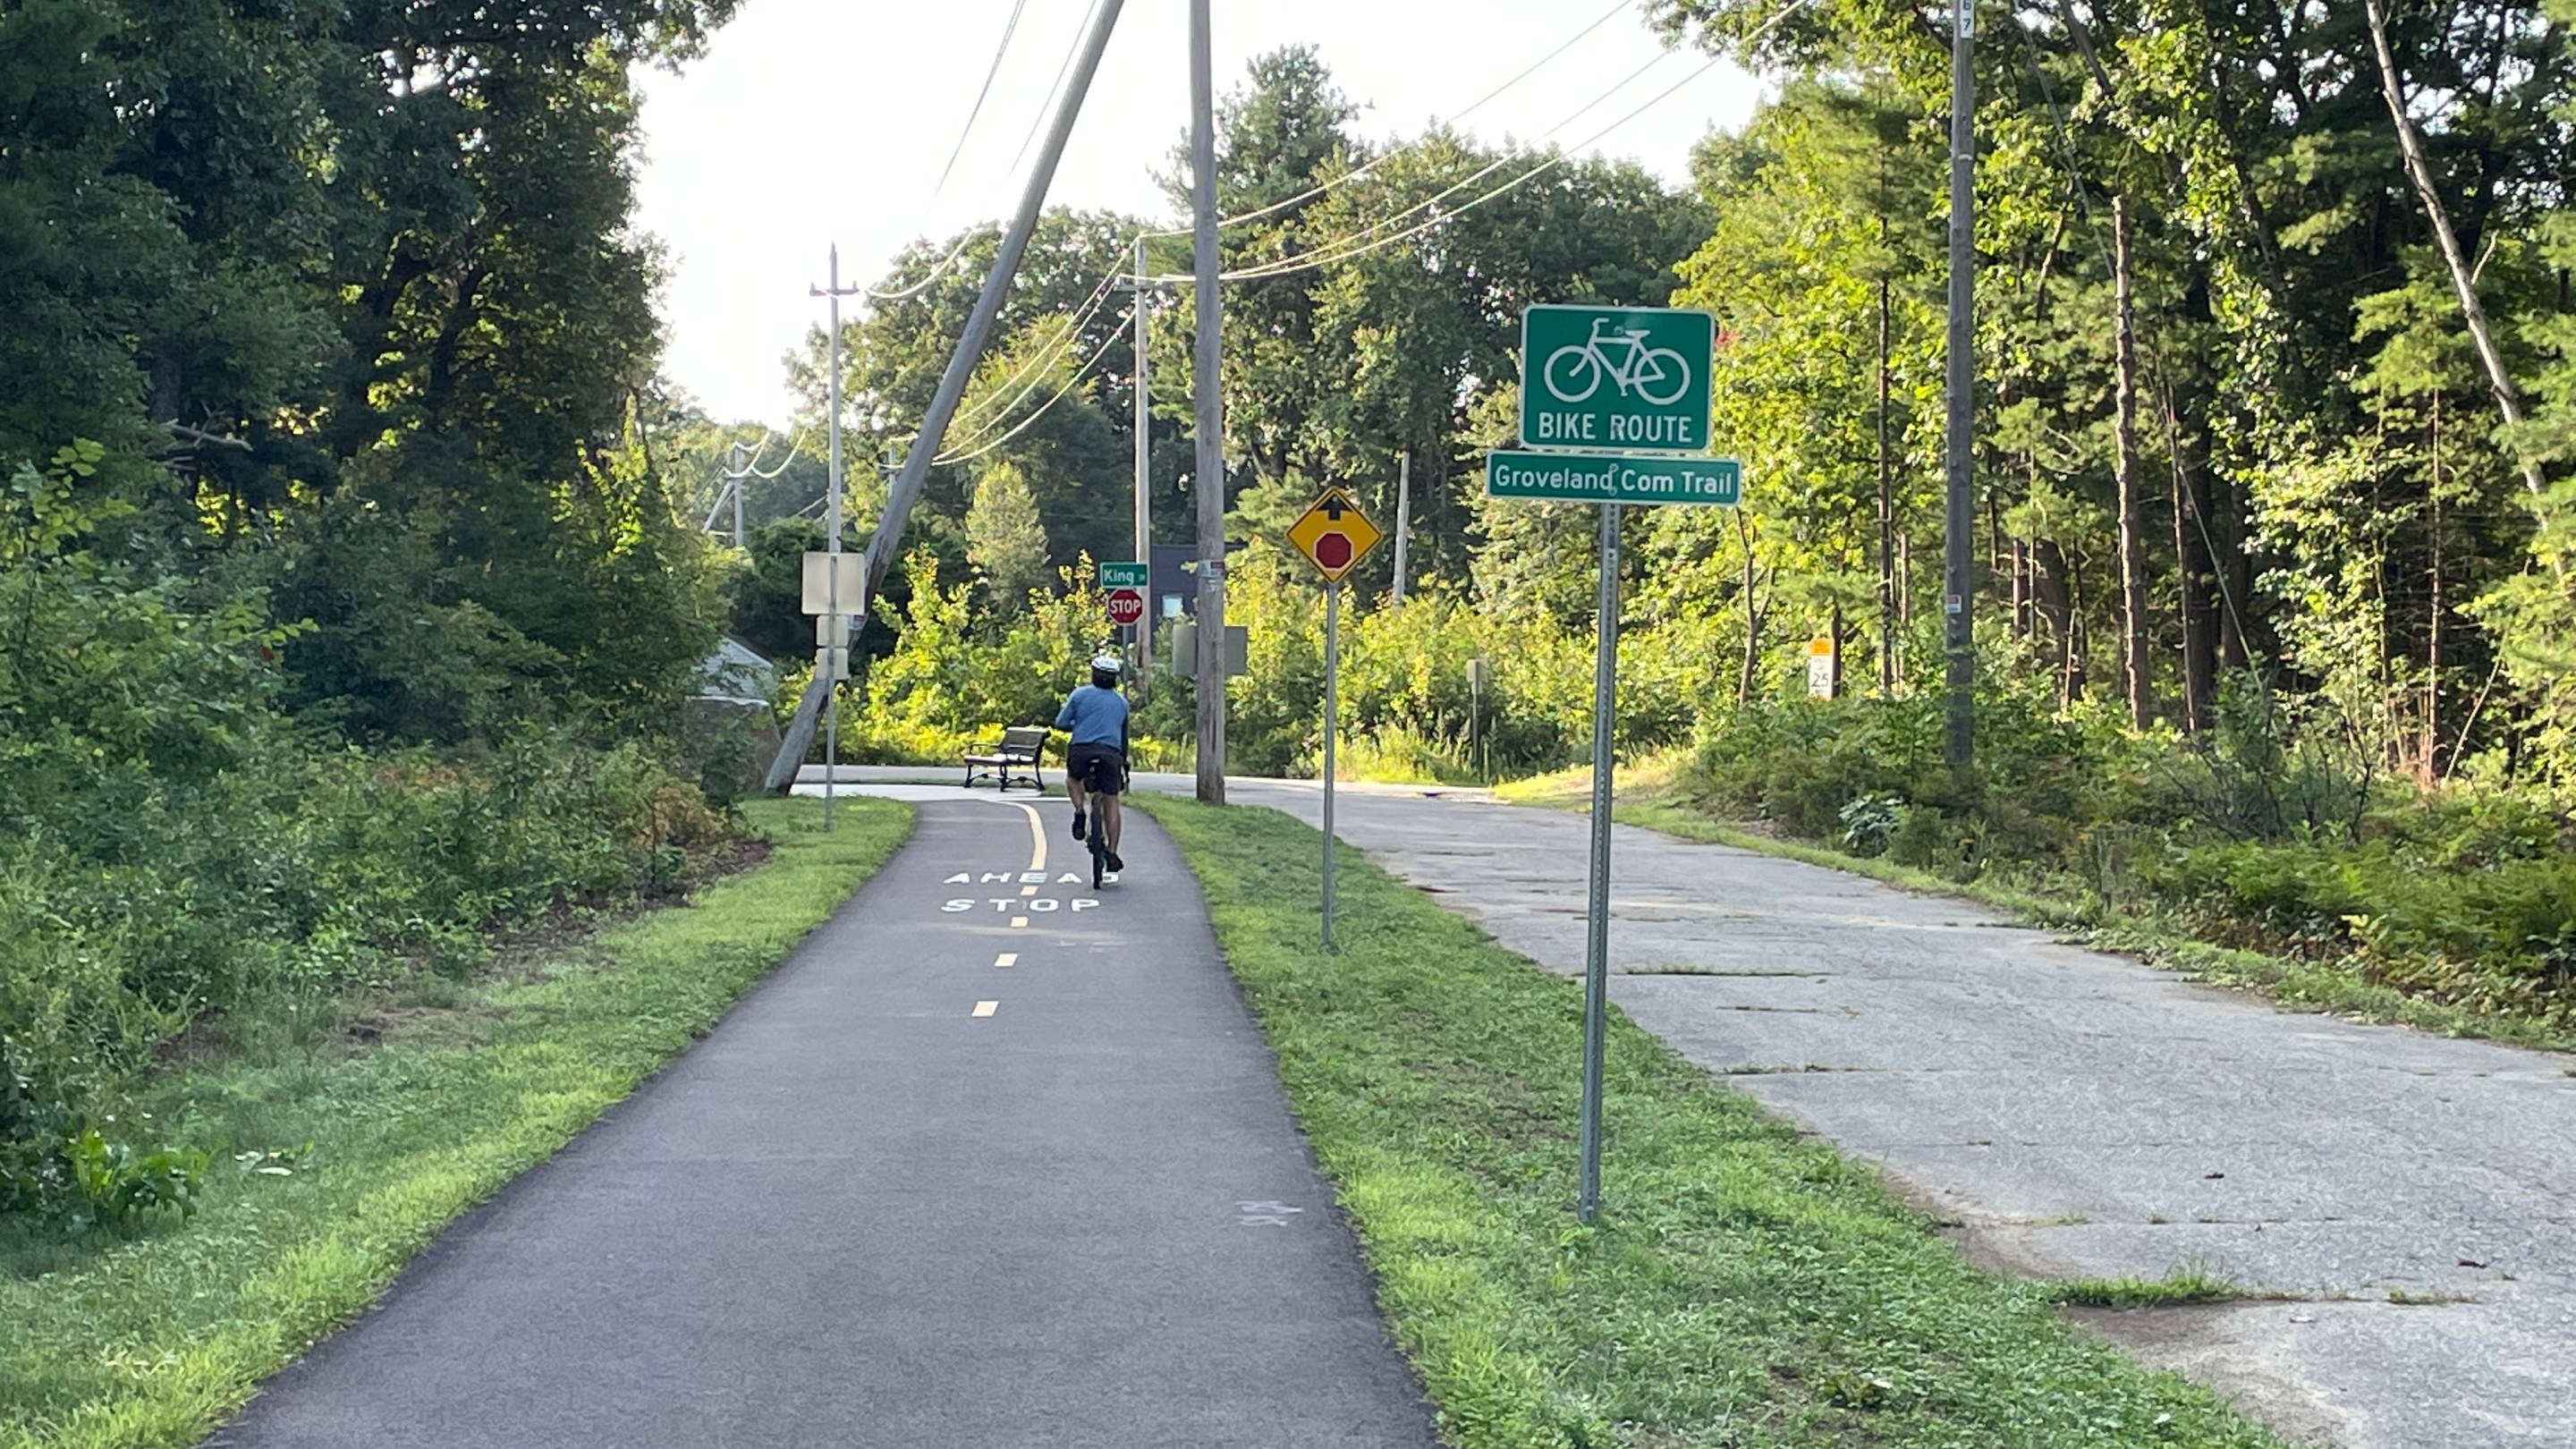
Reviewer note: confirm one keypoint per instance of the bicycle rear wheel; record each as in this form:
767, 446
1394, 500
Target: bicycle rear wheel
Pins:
1099, 837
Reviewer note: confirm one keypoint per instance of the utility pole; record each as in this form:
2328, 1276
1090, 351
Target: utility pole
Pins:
1403, 514
1958, 636
1144, 482
1210, 423
1143, 423
835, 655
734, 473
2135, 668
1886, 517
961, 366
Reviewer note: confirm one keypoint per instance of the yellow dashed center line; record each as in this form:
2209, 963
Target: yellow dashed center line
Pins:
1018, 921
1028, 890
1007, 958
987, 1008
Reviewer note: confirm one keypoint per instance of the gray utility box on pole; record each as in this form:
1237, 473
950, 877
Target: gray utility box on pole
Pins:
1185, 648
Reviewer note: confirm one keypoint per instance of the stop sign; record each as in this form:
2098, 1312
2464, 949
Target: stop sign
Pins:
1333, 550
1125, 606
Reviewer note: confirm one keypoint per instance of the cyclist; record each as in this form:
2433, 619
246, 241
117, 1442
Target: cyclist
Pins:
1095, 715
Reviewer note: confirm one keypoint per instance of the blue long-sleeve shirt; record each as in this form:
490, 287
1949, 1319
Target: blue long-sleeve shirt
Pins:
1094, 716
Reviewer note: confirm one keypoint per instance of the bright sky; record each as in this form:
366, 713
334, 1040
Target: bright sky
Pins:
814, 122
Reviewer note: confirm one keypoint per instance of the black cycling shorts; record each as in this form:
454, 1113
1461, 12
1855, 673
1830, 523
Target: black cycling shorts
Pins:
1105, 763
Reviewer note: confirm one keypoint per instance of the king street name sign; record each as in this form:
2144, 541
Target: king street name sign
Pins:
1615, 377
1601, 478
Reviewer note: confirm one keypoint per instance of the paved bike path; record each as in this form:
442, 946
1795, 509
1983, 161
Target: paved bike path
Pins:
2083, 1115
860, 1213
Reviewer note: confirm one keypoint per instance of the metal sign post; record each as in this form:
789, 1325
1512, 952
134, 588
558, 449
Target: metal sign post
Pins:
1332, 727
1334, 535
1596, 925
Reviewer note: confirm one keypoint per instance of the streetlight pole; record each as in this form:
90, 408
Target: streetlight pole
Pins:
1959, 522
1211, 416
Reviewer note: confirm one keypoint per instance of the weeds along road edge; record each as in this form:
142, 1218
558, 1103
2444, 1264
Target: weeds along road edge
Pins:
1741, 1275
116, 1349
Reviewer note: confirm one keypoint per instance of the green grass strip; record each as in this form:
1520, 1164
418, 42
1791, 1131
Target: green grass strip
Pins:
156, 1339
1745, 1287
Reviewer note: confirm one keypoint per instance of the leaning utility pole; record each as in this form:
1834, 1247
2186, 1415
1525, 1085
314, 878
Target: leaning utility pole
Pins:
1958, 637
952, 383
1210, 422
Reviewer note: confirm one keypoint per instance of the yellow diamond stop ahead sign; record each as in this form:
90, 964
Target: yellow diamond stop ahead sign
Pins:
1333, 534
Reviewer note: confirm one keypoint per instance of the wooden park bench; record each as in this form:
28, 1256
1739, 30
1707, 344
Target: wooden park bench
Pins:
1015, 758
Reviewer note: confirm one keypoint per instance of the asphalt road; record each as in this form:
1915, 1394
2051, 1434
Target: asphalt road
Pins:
993, 1160
2412, 1199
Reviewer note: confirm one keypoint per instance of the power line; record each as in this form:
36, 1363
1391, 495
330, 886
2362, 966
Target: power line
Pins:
1053, 347
1366, 168
1328, 255
937, 270
1342, 249
1004, 48
1317, 258
1048, 106
941, 267
1353, 245
752, 468
1026, 423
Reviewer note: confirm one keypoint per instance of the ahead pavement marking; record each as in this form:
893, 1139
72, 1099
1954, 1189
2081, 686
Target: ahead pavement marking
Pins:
987, 1008
1007, 958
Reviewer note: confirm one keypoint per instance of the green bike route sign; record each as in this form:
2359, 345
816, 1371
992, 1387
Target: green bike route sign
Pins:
1605, 478
1615, 377
1609, 397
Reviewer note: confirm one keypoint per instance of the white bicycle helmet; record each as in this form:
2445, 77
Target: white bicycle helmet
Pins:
1106, 663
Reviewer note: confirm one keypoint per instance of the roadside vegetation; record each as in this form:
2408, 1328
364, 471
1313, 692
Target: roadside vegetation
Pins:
346, 618
1744, 1285
2449, 910
2272, 606
335, 1143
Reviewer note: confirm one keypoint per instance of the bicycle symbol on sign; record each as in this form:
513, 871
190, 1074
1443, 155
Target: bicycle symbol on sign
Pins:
1657, 374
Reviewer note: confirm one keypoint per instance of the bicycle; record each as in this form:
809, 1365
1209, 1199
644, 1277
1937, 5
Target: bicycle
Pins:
1097, 836
1639, 371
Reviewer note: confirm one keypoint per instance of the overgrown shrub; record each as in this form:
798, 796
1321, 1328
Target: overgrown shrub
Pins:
174, 846
313, 874
2270, 832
